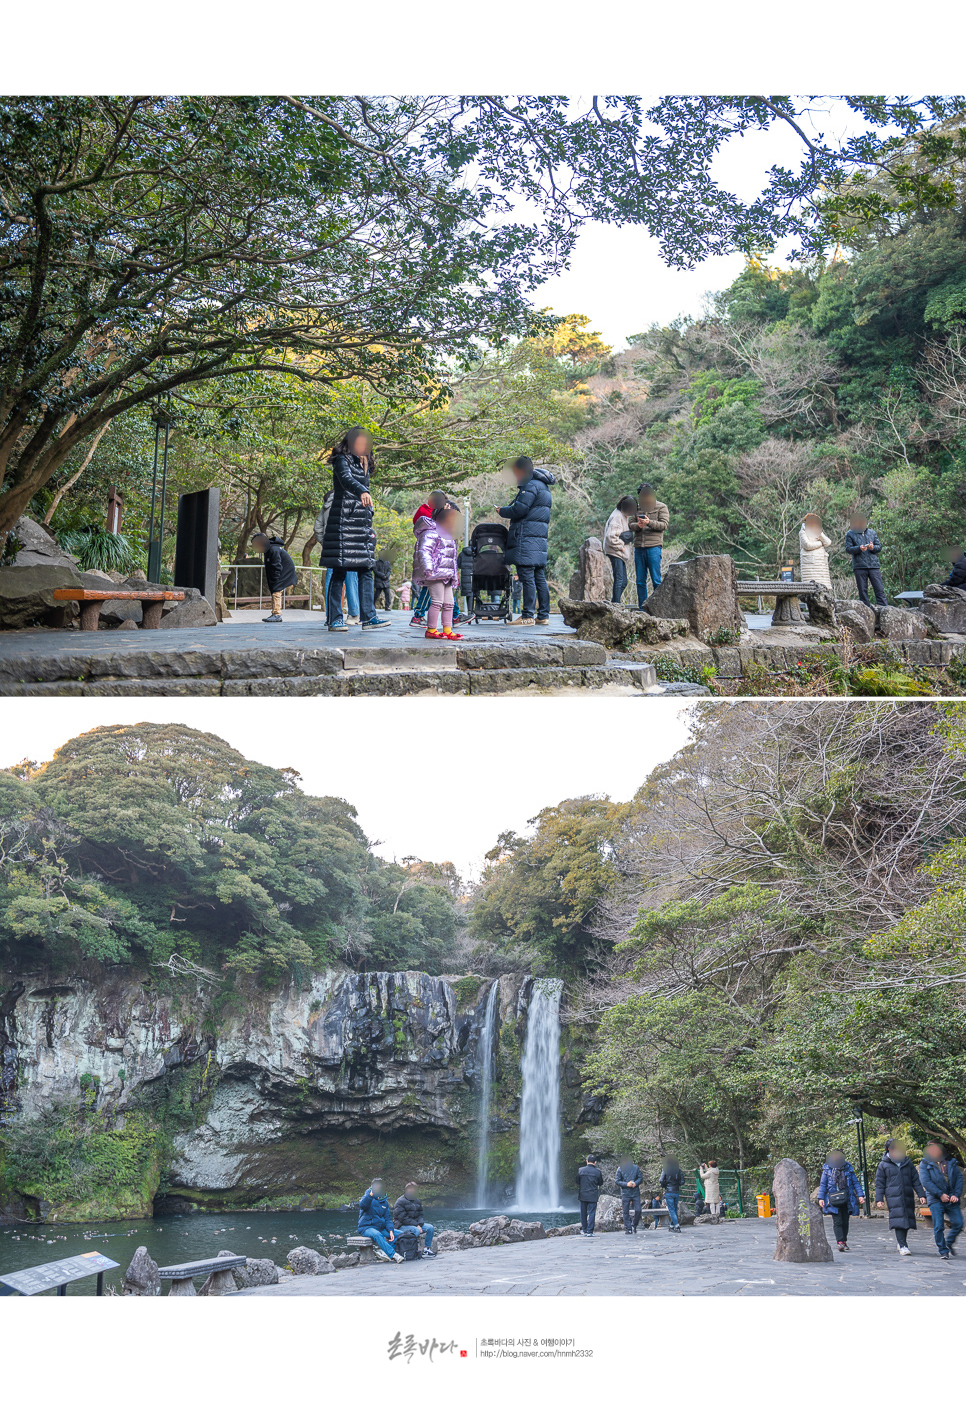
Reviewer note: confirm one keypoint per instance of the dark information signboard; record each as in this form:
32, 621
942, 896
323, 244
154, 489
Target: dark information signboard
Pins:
57, 1274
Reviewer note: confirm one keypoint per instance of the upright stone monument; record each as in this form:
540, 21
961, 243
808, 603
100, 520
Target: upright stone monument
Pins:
704, 591
801, 1224
141, 1277
594, 576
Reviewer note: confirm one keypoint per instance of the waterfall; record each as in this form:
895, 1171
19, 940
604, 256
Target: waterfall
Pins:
487, 1039
538, 1178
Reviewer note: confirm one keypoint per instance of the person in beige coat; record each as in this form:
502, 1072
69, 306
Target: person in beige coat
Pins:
813, 545
619, 543
709, 1178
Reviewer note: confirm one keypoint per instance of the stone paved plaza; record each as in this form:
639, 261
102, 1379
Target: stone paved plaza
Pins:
734, 1259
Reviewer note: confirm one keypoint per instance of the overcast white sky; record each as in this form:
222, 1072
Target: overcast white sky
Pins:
435, 778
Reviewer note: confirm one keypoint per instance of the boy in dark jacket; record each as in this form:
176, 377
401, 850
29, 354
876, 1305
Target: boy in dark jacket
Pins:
863, 546
589, 1184
407, 1214
279, 571
629, 1183
942, 1179
382, 576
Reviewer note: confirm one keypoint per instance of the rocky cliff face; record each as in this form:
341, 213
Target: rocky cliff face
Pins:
264, 1100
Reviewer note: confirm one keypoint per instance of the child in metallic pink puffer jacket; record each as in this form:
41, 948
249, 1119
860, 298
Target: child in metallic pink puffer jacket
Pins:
436, 566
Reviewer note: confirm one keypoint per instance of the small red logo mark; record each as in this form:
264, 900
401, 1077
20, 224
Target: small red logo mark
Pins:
462, 1354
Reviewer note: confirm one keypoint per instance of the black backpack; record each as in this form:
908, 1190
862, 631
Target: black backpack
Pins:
407, 1245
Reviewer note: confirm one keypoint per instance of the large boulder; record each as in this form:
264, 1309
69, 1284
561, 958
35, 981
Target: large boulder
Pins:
115, 612
519, 1231
945, 608
855, 623
703, 590
487, 1232
568, 1230
141, 1277
900, 624
451, 1241
610, 1214
39, 546
258, 1271
192, 613
801, 1223
27, 595
594, 576
821, 608
305, 1261
618, 628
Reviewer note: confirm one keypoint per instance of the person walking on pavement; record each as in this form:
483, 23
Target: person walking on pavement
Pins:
840, 1195
863, 545
529, 515
589, 1184
653, 519
710, 1179
619, 543
897, 1186
407, 1215
279, 571
629, 1183
942, 1179
672, 1178
375, 1222
348, 544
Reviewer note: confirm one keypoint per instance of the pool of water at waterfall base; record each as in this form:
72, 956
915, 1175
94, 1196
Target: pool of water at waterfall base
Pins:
195, 1236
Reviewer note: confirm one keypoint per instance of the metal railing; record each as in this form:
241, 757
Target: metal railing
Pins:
254, 587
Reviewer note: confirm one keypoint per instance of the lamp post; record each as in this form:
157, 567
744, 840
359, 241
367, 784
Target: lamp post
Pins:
858, 1121
162, 419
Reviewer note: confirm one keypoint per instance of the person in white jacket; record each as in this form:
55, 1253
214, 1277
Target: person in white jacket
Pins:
619, 543
712, 1192
813, 545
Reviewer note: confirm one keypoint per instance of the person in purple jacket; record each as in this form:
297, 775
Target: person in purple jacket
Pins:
436, 566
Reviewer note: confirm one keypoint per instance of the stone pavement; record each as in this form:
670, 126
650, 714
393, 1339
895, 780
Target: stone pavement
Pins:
734, 1259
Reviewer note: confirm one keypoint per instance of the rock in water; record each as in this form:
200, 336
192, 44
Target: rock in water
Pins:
902, 624
141, 1277
703, 590
616, 627
801, 1224
305, 1261
220, 1283
258, 1271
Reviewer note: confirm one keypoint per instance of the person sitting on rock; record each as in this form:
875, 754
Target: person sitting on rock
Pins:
375, 1222
589, 1184
279, 571
629, 1182
407, 1214
653, 519
863, 545
619, 544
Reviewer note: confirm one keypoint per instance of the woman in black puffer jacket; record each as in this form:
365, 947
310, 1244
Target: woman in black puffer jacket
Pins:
897, 1187
349, 542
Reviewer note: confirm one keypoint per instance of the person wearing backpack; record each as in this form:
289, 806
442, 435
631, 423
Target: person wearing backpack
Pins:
407, 1215
840, 1195
589, 1184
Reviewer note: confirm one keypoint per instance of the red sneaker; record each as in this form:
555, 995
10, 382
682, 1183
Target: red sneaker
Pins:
417, 621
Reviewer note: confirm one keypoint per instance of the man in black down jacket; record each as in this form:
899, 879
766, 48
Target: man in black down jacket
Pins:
629, 1183
589, 1184
529, 515
407, 1215
279, 571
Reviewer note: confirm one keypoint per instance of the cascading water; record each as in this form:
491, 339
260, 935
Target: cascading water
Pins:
538, 1178
487, 1039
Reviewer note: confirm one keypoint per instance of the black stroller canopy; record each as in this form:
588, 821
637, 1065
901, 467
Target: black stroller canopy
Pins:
489, 536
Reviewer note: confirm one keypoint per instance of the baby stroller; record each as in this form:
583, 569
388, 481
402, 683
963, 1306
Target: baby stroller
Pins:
485, 575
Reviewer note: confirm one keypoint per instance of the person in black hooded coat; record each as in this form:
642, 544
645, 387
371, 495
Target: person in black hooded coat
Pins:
897, 1186
279, 571
529, 515
348, 541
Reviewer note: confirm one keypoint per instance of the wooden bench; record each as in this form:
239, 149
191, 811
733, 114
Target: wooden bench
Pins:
787, 594
33, 1280
90, 600
182, 1274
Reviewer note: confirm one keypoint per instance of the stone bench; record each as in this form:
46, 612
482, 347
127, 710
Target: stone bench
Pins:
182, 1275
786, 594
360, 1245
91, 600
